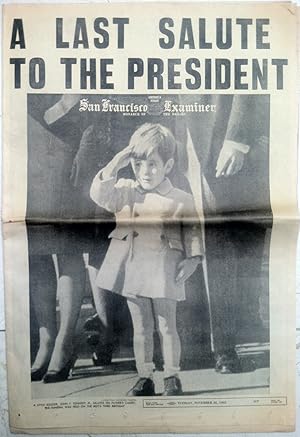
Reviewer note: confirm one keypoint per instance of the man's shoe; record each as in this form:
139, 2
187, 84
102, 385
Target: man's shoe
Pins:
143, 387
228, 363
172, 386
93, 323
103, 355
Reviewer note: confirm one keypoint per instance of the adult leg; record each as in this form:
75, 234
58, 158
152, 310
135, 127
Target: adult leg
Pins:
43, 286
252, 245
222, 266
235, 254
71, 274
104, 304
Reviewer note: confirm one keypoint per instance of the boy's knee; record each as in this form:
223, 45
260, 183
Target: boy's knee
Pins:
143, 330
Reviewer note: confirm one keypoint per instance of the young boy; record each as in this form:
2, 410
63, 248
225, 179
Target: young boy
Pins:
155, 247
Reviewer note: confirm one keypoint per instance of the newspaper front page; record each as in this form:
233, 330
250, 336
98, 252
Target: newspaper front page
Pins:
150, 216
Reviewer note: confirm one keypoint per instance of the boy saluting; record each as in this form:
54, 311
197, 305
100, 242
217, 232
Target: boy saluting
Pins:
155, 247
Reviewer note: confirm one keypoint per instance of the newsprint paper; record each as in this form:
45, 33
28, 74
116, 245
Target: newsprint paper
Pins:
150, 217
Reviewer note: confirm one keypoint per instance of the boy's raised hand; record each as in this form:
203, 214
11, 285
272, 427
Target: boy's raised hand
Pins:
123, 157
187, 267
120, 160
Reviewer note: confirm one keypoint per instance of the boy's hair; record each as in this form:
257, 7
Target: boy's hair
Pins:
150, 137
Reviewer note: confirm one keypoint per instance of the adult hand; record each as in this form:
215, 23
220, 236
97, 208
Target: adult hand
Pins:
187, 267
66, 102
231, 158
263, 142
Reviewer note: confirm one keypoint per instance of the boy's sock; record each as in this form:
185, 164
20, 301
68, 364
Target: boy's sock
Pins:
145, 370
171, 371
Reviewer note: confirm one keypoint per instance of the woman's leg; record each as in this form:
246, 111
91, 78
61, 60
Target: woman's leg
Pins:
143, 326
43, 286
165, 316
104, 301
71, 283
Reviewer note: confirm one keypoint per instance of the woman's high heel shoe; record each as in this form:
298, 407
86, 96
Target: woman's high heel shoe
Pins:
61, 375
39, 373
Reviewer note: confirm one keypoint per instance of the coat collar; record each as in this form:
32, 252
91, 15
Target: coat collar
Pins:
163, 188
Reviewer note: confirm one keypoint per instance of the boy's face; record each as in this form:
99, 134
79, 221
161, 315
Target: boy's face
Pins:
151, 171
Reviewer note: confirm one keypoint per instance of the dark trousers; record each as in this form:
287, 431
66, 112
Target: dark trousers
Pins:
234, 261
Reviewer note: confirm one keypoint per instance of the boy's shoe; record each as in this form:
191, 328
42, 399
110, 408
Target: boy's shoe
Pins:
143, 387
172, 386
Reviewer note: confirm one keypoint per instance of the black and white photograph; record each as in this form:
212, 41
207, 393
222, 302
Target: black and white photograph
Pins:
148, 224
150, 217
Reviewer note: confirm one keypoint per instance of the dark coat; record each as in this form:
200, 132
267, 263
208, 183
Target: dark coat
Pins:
243, 119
